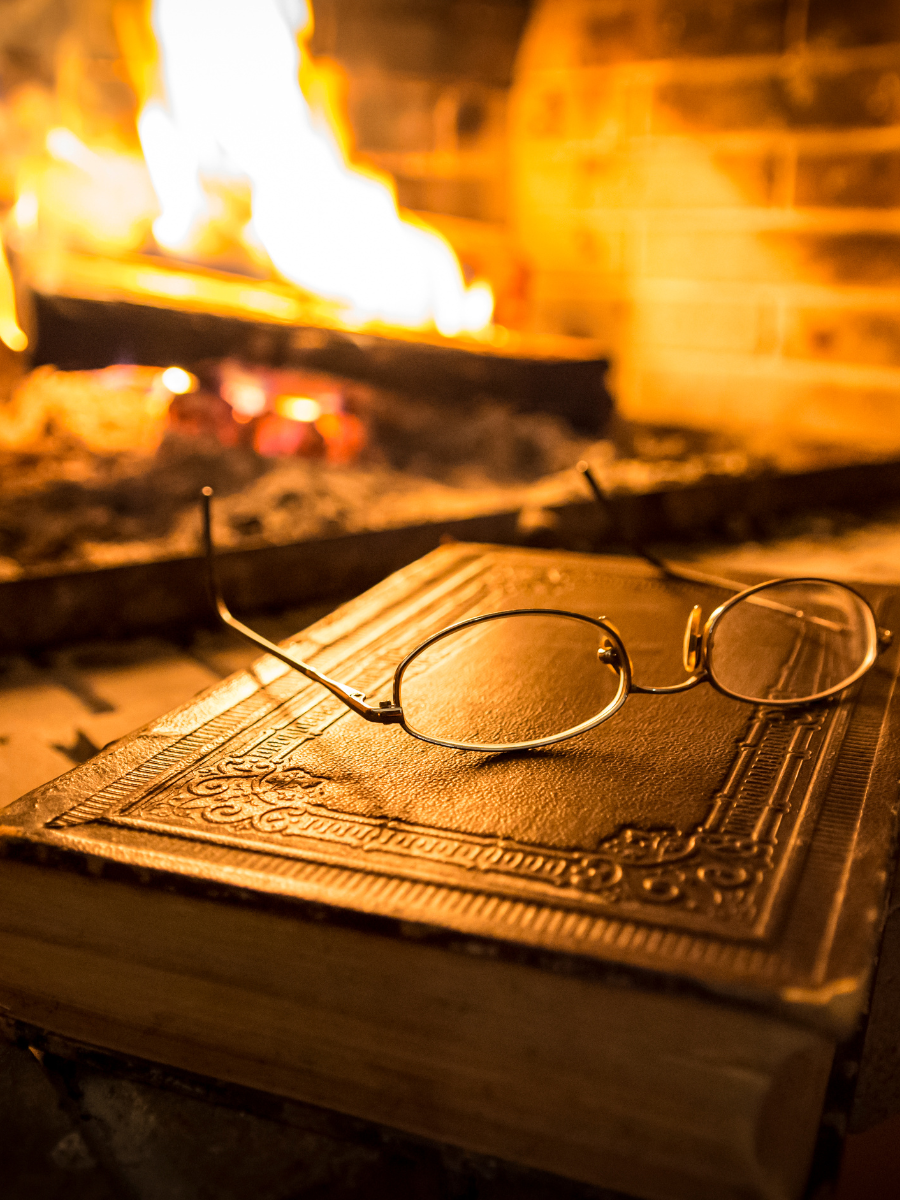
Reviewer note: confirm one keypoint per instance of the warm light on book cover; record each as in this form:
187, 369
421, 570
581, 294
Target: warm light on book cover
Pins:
626, 958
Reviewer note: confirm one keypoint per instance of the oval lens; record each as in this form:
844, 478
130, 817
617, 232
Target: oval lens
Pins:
792, 642
509, 680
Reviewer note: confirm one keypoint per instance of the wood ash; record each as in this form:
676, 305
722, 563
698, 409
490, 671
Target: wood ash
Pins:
104, 467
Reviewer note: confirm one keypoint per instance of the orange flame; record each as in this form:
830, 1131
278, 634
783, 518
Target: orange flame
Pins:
11, 333
225, 111
237, 165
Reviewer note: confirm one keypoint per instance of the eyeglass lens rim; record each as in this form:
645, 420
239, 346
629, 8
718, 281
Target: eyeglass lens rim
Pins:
704, 673
709, 631
387, 713
622, 667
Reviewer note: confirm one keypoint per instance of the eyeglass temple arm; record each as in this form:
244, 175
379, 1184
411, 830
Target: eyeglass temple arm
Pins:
692, 576
386, 714
686, 573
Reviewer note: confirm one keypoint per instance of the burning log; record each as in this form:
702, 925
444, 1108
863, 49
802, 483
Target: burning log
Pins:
84, 312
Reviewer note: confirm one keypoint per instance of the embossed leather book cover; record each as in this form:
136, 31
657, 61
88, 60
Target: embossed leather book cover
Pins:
732, 856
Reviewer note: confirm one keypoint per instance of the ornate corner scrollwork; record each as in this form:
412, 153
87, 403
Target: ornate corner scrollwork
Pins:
701, 871
244, 792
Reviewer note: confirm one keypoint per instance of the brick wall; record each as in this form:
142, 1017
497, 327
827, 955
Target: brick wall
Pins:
713, 186
427, 90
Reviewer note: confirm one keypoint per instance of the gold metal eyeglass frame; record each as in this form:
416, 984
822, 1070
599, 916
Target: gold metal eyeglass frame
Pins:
699, 639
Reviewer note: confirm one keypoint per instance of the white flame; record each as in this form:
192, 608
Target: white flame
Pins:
173, 171
178, 381
233, 106
25, 211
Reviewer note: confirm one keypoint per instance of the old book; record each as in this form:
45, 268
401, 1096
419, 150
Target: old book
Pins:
626, 959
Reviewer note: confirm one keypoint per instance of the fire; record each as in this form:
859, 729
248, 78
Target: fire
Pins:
237, 164
11, 334
118, 409
178, 381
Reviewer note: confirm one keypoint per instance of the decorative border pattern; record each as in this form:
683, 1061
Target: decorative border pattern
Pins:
237, 782
720, 869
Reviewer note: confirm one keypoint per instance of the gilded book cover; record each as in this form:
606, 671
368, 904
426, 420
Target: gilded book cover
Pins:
738, 847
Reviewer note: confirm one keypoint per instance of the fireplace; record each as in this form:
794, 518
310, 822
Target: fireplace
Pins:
148, 180
700, 204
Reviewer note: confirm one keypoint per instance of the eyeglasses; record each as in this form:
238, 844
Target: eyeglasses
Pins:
526, 678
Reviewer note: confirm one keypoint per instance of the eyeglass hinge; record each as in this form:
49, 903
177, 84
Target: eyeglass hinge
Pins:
385, 714
608, 654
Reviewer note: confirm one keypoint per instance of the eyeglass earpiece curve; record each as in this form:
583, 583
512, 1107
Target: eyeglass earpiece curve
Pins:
693, 639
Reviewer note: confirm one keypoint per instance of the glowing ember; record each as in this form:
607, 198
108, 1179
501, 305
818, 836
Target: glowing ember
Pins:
298, 408
243, 391
178, 381
118, 409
